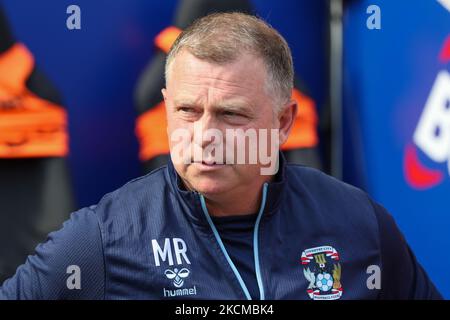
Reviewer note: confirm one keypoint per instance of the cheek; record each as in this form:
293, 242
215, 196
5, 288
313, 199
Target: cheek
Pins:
178, 132
244, 173
184, 172
172, 123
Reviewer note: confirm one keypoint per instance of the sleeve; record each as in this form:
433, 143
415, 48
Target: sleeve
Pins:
402, 276
69, 265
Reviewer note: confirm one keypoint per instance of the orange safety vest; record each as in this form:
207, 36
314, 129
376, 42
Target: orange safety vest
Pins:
151, 125
29, 125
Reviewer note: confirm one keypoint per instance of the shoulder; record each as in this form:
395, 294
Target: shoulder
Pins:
138, 187
138, 200
320, 185
136, 192
332, 203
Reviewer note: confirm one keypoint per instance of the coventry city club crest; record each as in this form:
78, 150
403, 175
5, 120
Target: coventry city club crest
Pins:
322, 269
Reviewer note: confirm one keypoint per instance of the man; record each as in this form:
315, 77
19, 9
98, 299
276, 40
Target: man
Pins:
151, 125
213, 227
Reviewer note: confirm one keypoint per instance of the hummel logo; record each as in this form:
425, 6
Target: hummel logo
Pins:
178, 276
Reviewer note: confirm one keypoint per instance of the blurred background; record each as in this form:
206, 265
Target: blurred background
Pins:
81, 111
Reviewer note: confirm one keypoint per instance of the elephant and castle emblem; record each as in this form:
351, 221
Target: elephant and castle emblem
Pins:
322, 270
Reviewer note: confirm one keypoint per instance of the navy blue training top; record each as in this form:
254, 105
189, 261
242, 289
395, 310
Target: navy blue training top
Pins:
236, 233
314, 238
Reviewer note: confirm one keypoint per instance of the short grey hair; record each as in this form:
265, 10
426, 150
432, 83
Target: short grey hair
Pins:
221, 37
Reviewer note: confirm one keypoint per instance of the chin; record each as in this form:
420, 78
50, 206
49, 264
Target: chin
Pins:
211, 186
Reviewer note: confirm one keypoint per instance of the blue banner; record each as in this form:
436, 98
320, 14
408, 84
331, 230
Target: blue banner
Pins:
397, 118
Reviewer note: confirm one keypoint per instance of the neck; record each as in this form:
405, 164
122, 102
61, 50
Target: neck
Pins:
233, 203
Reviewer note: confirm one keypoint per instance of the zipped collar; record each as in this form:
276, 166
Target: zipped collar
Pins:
190, 200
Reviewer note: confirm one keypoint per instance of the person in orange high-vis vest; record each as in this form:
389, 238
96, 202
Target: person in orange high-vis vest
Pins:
35, 192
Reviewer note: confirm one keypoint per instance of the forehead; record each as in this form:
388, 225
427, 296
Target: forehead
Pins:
244, 77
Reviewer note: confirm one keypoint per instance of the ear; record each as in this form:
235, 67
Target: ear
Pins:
164, 93
286, 119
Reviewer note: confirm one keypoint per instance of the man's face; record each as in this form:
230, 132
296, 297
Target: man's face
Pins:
229, 96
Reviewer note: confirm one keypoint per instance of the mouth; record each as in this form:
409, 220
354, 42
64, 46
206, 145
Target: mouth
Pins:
206, 165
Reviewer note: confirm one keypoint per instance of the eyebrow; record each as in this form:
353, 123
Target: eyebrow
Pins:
235, 107
230, 105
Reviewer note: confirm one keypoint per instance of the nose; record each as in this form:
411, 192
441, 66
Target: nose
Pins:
206, 124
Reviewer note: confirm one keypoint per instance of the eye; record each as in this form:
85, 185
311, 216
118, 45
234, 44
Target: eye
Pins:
186, 109
231, 114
